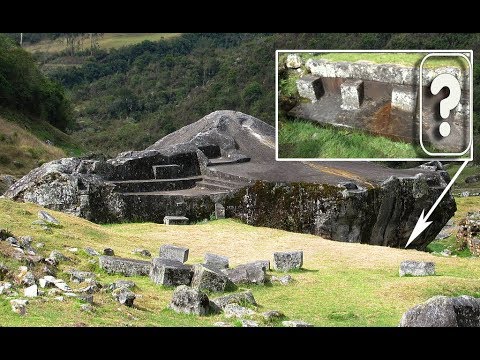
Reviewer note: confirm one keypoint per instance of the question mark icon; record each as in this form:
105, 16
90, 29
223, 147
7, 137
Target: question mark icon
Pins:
450, 102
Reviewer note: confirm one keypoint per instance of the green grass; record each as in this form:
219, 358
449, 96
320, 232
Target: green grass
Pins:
303, 139
460, 184
108, 41
407, 59
343, 284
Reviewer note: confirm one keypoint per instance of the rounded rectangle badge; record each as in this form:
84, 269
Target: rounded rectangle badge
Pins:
385, 105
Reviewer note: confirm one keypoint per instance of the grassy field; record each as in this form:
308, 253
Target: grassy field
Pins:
460, 184
108, 41
342, 284
407, 59
303, 139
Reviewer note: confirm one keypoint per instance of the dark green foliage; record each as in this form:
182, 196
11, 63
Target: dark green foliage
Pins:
23, 88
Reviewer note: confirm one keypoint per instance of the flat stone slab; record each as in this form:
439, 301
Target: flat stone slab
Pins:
170, 272
175, 220
216, 261
416, 268
285, 261
127, 267
172, 252
208, 278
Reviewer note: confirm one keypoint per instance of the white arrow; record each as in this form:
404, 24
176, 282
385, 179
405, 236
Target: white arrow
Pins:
422, 222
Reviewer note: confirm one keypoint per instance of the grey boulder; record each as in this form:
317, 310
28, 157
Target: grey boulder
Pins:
208, 278
245, 297
124, 296
170, 272
189, 301
172, 252
217, 261
416, 268
285, 261
252, 273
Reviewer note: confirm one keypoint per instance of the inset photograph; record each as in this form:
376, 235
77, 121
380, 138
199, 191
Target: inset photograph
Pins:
373, 105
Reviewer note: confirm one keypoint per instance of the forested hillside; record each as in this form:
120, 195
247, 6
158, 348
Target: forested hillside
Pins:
130, 97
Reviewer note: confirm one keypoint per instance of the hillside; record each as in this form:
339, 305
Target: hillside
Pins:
342, 284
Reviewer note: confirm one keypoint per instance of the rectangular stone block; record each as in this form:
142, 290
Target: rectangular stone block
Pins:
175, 220
170, 273
219, 211
127, 267
217, 261
310, 87
416, 268
285, 261
404, 98
352, 94
172, 252
208, 278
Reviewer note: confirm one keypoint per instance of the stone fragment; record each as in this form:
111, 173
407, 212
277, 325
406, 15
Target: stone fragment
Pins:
296, 323
283, 280
127, 267
175, 220
235, 310
92, 252
352, 94
416, 268
294, 61
108, 252
142, 252
404, 98
31, 291
121, 283
80, 276
273, 315
242, 298
58, 256
172, 252
285, 261
19, 306
124, 296
219, 211
189, 301
3, 271
216, 261
170, 273
310, 87
45, 216
208, 278
88, 298
87, 308
252, 273
249, 323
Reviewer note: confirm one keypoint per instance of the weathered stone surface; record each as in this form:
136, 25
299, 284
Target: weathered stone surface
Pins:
175, 220
127, 267
170, 272
5, 288
252, 273
404, 98
92, 252
285, 261
310, 87
28, 279
172, 252
273, 315
468, 234
19, 306
249, 323
416, 268
31, 291
283, 280
59, 283
352, 94
208, 278
80, 276
244, 297
142, 252
189, 301
121, 283
294, 61
442, 311
58, 256
108, 252
296, 323
219, 211
45, 216
124, 296
216, 261
235, 310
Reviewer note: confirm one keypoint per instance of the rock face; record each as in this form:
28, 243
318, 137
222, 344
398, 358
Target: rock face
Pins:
127, 267
189, 301
180, 175
416, 268
442, 311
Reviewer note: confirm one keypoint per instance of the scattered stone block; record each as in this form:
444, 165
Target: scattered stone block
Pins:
19, 306
172, 252
244, 297
219, 211
283, 280
80, 276
127, 267
249, 323
442, 311
216, 261
285, 261
296, 323
294, 61
170, 273
310, 87
416, 268
404, 98
121, 283
252, 273
124, 296
142, 252
31, 291
189, 301
272, 315
108, 252
92, 252
45, 216
208, 278
352, 94
175, 220
237, 311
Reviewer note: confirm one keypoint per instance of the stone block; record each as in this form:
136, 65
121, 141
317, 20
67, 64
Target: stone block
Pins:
127, 267
175, 220
285, 261
294, 61
170, 272
219, 211
189, 301
296, 323
124, 296
244, 297
252, 273
237, 311
352, 94
310, 87
404, 98
216, 261
416, 268
208, 278
172, 252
